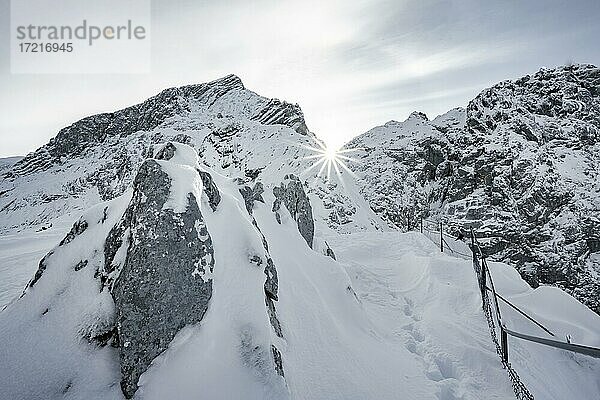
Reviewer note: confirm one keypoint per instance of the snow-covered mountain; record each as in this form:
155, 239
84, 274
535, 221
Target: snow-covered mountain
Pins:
521, 165
211, 256
237, 132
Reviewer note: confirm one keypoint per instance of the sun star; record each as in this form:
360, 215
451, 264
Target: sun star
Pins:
328, 158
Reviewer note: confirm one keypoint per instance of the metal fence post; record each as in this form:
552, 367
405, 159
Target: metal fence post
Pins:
421, 224
504, 340
441, 237
482, 280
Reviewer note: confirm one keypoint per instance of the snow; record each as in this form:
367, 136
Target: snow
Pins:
43, 352
184, 180
20, 254
7, 162
392, 318
548, 372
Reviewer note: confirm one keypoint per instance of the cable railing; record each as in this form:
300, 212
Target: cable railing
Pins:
478, 257
491, 308
437, 228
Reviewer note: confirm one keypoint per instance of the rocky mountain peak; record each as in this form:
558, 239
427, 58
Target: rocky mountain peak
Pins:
520, 165
222, 98
418, 115
535, 106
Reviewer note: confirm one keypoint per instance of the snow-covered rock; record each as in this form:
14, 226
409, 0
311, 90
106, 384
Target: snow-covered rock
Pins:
8, 162
292, 195
521, 165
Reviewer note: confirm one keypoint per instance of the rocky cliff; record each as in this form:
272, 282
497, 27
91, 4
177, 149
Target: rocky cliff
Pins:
521, 165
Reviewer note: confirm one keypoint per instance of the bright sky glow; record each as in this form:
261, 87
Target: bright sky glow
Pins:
351, 65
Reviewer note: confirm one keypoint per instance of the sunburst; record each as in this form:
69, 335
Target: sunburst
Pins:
328, 159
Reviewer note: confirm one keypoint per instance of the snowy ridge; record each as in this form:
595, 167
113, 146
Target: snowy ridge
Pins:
236, 337
235, 131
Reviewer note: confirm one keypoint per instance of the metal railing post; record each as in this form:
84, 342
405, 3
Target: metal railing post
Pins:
504, 342
483, 281
441, 237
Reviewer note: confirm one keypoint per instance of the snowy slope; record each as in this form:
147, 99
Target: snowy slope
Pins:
198, 252
6, 163
430, 302
331, 344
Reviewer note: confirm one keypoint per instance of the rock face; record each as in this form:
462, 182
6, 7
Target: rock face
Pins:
534, 147
291, 194
251, 195
165, 282
521, 165
221, 119
73, 139
280, 112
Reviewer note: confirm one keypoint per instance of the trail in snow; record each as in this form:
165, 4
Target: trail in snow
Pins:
427, 303
430, 302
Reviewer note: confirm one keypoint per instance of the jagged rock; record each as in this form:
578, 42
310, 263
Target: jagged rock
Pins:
78, 228
165, 282
80, 265
253, 173
40, 271
520, 165
251, 195
211, 190
271, 286
291, 194
165, 152
182, 138
278, 360
329, 251
280, 112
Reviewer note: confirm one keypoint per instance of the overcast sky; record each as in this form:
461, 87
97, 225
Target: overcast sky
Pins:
351, 65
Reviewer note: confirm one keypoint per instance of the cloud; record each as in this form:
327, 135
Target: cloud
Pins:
351, 65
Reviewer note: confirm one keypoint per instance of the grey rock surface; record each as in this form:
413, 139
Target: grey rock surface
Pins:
210, 189
521, 165
283, 113
292, 195
165, 282
251, 195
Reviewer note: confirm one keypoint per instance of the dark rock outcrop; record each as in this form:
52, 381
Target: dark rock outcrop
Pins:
165, 281
210, 189
251, 195
291, 194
